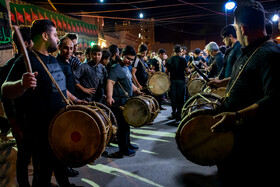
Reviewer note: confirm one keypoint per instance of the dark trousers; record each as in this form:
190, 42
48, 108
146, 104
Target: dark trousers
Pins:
48, 163
24, 156
177, 96
123, 132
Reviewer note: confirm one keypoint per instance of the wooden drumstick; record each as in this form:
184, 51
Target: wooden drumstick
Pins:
23, 49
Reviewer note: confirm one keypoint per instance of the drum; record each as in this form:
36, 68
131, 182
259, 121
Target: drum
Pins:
78, 134
196, 86
194, 137
221, 91
140, 110
158, 83
8, 158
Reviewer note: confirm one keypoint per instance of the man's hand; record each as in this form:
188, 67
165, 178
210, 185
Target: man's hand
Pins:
90, 91
110, 101
29, 80
227, 121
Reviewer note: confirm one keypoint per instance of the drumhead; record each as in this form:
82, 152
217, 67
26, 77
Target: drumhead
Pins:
137, 112
196, 86
77, 135
158, 83
201, 146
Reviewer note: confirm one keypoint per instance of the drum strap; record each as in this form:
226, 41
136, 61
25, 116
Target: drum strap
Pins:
69, 102
245, 64
125, 93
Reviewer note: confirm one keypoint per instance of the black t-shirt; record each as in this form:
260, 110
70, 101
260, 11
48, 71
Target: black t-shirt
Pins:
141, 73
36, 107
176, 66
68, 72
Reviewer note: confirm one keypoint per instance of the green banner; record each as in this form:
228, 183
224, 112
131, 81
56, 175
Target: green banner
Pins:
25, 14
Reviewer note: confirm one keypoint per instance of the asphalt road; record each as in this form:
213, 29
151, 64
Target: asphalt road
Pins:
158, 162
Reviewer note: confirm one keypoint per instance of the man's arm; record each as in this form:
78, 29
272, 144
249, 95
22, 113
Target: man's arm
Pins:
15, 89
109, 92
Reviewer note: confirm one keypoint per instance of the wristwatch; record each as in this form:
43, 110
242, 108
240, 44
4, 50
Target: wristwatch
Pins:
238, 119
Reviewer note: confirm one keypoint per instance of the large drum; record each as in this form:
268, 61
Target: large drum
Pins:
158, 83
140, 110
194, 137
78, 134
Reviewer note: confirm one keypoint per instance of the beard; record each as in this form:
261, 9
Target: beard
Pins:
52, 47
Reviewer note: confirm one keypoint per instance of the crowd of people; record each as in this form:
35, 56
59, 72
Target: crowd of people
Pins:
247, 65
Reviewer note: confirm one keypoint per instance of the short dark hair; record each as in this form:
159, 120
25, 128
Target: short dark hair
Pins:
197, 51
25, 33
129, 50
95, 49
113, 49
142, 48
88, 50
161, 51
72, 36
250, 14
105, 54
39, 26
177, 48
184, 48
227, 30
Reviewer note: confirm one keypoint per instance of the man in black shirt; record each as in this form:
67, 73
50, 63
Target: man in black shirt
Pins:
216, 61
228, 34
252, 92
176, 69
19, 133
36, 99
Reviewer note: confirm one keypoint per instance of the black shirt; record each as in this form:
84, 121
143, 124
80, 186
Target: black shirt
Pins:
68, 72
176, 66
141, 73
36, 107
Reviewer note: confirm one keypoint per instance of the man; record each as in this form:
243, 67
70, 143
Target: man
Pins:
176, 67
216, 62
24, 153
65, 53
252, 91
74, 61
91, 77
115, 52
140, 68
184, 53
157, 64
36, 100
119, 89
228, 34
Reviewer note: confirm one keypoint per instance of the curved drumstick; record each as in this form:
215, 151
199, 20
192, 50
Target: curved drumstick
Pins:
23, 49
200, 72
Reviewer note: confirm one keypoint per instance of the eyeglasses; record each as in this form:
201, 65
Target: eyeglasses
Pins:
129, 59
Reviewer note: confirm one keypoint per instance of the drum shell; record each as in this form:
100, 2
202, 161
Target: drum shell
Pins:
79, 134
194, 137
158, 83
140, 110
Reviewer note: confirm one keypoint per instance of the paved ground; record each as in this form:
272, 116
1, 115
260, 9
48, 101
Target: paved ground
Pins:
158, 162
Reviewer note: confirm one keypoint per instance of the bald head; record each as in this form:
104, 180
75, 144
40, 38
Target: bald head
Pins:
66, 48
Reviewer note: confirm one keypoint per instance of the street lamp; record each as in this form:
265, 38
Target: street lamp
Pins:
141, 15
229, 6
275, 18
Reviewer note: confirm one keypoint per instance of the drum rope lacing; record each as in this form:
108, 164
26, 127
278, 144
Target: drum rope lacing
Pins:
104, 115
